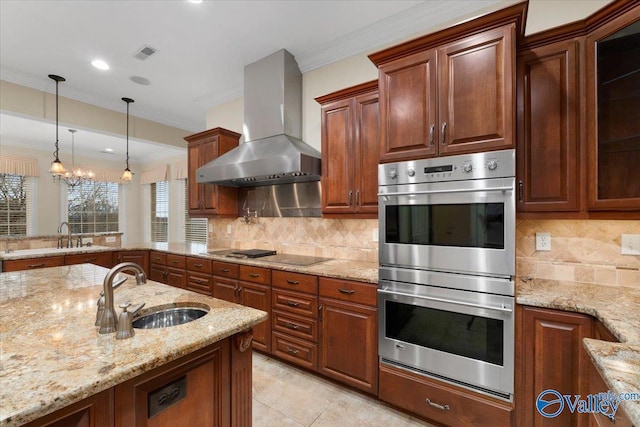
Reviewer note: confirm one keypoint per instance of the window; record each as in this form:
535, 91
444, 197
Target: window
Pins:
195, 229
93, 207
15, 205
159, 211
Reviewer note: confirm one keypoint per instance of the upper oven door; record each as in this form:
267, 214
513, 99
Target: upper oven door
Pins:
457, 226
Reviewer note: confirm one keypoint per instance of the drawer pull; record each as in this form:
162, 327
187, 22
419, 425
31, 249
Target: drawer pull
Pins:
198, 265
292, 326
198, 280
291, 303
254, 275
437, 405
224, 270
37, 265
175, 261
293, 282
346, 291
90, 259
156, 258
292, 351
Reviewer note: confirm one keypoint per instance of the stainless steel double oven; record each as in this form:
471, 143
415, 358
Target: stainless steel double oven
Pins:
447, 261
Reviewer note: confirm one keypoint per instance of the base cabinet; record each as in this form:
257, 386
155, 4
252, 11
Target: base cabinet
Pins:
94, 411
139, 257
551, 356
439, 402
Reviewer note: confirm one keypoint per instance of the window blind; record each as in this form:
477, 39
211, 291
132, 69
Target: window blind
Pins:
159, 211
15, 204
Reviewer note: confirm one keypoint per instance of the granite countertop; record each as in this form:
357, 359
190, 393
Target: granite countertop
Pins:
618, 308
52, 354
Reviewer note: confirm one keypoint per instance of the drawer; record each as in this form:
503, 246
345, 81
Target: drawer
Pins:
32, 263
176, 261
294, 325
103, 259
199, 264
156, 257
255, 274
440, 402
200, 283
295, 302
294, 281
225, 269
346, 290
295, 350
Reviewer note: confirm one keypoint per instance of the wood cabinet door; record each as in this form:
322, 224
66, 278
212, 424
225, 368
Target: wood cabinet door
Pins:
158, 273
102, 259
366, 153
192, 391
94, 411
138, 257
476, 92
349, 344
337, 157
552, 357
176, 277
226, 289
408, 119
548, 84
259, 297
195, 189
208, 152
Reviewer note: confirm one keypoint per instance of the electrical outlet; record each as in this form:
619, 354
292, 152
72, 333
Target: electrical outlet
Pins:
374, 235
543, 241
228, 228
630, 244
110, 239
210, 228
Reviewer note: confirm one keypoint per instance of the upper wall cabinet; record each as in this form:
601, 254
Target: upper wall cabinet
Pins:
209, 199
451, 92
613, 113
350, 141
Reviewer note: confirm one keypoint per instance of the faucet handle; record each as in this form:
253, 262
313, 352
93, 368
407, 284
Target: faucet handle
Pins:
125, 327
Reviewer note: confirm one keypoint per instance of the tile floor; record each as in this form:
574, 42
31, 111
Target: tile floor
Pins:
286, 396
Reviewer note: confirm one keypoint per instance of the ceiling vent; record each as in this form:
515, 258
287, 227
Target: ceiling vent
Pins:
144, 52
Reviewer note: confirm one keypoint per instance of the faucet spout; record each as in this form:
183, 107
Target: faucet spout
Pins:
69, 245
108, 320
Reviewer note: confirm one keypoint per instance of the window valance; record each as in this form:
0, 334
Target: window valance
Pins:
160, 173
14, 165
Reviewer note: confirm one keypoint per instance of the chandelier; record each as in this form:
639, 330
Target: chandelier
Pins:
77, 175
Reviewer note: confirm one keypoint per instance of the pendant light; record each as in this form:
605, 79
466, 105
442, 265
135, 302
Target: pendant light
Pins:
77, 175
127, 174
57, 170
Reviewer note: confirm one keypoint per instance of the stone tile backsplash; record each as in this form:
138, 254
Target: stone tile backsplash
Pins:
581, 250
335, 238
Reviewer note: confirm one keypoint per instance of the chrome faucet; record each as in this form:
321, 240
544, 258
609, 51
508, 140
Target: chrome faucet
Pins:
108, 320
69, 245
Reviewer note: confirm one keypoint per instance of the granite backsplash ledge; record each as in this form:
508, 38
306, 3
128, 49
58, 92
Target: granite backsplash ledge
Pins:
585, 251
351, 239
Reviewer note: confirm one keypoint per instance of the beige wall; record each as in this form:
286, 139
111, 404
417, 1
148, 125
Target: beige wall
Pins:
545, 14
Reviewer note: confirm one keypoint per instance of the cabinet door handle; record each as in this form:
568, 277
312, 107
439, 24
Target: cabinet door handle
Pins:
293, 282
437, 405
432, 129
292, 326
357, 197
37, 265
350, 197
291, 303
292, 351
224, 270
254, 275
520, 190
346, 291
320, 312
444, 133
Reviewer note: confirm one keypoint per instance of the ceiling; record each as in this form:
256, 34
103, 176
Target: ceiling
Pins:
201, 48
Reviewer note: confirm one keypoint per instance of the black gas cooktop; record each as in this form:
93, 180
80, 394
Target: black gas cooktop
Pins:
271, 256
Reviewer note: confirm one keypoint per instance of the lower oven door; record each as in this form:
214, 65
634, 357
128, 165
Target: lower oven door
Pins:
461, 336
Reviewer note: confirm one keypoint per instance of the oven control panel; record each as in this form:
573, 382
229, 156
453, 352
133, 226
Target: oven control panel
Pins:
493, 164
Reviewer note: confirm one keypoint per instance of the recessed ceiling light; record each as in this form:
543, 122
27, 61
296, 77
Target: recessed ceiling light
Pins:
195, 1
140, 80
100, 64
109, 150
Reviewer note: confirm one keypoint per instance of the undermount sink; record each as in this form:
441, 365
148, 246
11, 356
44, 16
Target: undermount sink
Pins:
164, 316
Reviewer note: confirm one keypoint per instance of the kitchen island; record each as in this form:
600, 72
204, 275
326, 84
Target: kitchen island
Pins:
52, 355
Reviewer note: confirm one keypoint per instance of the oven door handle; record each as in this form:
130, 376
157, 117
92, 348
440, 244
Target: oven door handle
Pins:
457, 190
468, 304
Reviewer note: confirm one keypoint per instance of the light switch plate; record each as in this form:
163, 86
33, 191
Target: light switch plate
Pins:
543, 241
228, 228
630, 244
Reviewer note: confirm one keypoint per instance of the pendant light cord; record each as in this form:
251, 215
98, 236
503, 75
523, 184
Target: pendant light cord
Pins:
127, 134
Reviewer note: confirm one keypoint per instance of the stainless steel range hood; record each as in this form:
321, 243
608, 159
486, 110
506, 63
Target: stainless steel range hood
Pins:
274, 152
